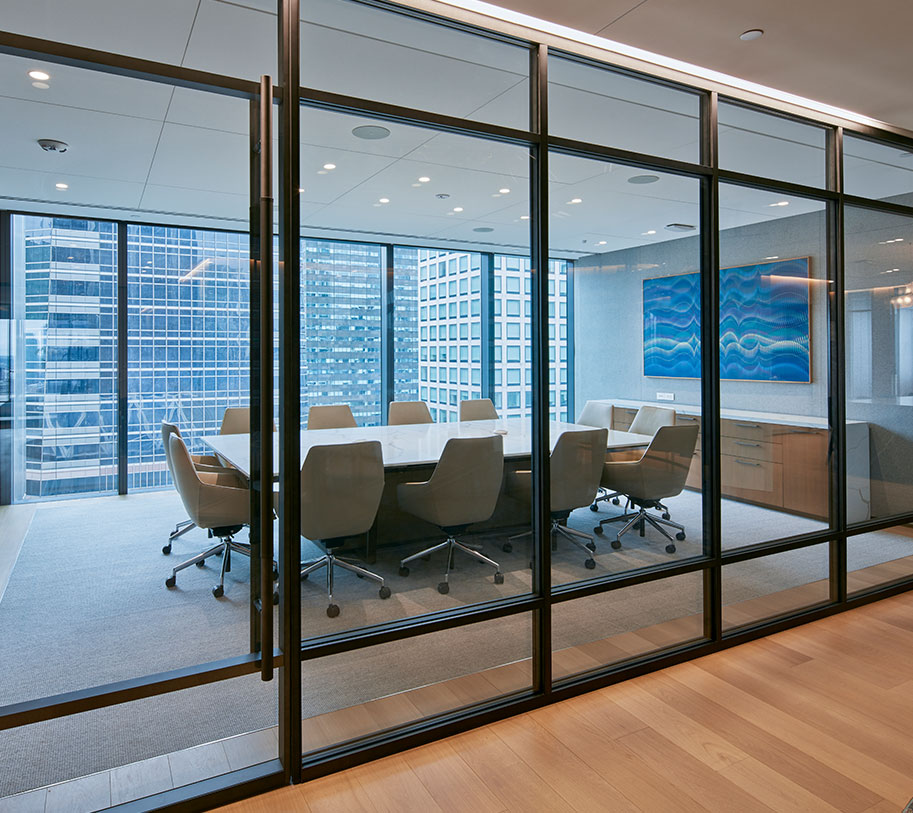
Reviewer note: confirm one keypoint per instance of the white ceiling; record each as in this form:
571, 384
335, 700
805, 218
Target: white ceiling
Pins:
148, 151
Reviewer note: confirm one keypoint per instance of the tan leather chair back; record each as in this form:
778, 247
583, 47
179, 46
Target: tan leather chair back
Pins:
481, 409
208, 505
331, 416
235, 421
597, 413
650, 418
663, 469
169, 429
576, 468
341, 487
407, 412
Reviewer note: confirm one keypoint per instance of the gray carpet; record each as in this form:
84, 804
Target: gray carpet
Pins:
86, 604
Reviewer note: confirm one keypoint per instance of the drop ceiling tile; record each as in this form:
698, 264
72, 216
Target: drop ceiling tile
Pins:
198, 158
30, 185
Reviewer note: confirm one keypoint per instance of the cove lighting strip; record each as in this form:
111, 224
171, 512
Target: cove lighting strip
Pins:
563, 31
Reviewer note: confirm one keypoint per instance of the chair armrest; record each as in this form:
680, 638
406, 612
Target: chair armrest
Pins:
224, 476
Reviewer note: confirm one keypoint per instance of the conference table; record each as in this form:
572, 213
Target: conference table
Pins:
410, 453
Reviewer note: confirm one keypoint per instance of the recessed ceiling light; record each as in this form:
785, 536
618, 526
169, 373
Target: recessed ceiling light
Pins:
779, 203
524, 217
679, 227
329, 166
416, 185
383, 200
504, 191
775, 257
370, 132
651, 231
41, 76
40, 85
888, 242
62, 185
642, 179
751, 34
321, 172
575, 200
300, 189
457, 208
424, 179
890, 271
601, 243
483, 229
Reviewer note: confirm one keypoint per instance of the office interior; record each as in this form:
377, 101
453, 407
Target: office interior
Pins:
418, 203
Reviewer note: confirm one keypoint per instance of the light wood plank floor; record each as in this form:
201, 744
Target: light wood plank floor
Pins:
817, 718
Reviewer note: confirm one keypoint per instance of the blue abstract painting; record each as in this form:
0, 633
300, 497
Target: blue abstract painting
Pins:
764, 323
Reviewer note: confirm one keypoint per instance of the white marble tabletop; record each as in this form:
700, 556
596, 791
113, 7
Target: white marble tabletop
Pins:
417, 444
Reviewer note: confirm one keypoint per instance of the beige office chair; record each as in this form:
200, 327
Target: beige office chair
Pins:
481, 409
597, 413
236, 421
220, 509
463, 489
659, 474
574, 472
210, 469
330, 475
647, 420
332, 416
406, 412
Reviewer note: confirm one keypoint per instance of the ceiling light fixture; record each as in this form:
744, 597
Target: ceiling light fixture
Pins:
424, 179
300, 189
40, 85
457, 208
888, 242
779, 203
41, 76
775, 257
504, 191
524, 217
643, 179
648, 232
370, 132
62, 185
751, 34
383, 200
601, 243
572, 201
329, 166
620, 48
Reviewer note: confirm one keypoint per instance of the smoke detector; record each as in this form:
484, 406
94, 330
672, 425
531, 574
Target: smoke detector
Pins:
53, 145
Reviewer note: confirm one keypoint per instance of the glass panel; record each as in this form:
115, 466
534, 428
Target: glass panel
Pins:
377, 54
879, 557
879, 171
879, 364
447, 203
759, 143
589, 103
607, 628
770, 586
406, 681
635, 343
64, 300
774, 289
126, 752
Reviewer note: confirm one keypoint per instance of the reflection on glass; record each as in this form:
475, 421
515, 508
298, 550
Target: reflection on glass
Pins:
594, 632
875, 170
774, 437
879, 363
879, 557
770, 586
636, 353
404, 681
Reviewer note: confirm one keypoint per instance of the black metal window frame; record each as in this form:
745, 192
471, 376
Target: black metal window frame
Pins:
293, 765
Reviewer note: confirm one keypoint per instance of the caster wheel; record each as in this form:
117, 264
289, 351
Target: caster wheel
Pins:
589, 564
443, 588
333, 610
275, 597
507, 547
598, 530
218, 590
201, 563
275, 574
171, 581
670, 548
499, 578
591, 546
680, 536
616, 501
616, 545
404, 571
384, 592
166, 549
594, 508
666, 515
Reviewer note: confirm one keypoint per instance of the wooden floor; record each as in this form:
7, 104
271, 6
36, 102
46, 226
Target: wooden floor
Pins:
818, 718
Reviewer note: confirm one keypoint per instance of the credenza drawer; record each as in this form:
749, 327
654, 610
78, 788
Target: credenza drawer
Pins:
751, 449
748, 479
747, 430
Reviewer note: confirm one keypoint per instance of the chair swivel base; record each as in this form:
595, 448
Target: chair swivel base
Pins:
451, 545
570, 534
615, 498
225, 547
330, 561
638, 519
179, 530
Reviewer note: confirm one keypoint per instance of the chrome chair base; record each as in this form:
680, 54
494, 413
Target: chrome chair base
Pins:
330, 561
638, 519
225, 547
451, 545
615, 497
179, 530
570, 534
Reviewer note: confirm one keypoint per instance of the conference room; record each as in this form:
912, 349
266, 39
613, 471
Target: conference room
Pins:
400, 453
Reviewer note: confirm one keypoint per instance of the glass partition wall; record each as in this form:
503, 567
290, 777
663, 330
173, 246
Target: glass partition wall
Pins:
574, 371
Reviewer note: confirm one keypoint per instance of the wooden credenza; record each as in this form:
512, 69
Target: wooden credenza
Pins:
772, 462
